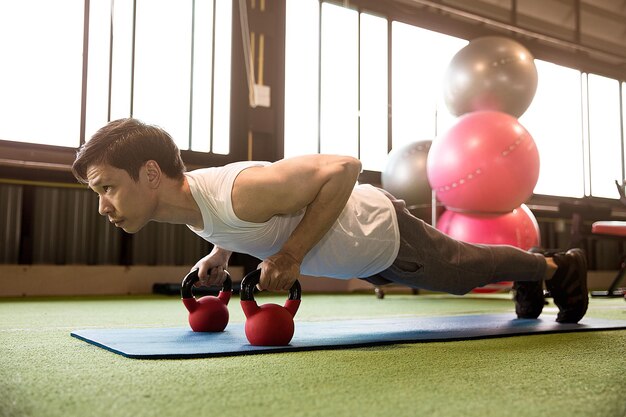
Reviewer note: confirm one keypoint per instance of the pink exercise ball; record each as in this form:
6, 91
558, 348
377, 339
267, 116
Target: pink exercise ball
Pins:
486, 162
518, 228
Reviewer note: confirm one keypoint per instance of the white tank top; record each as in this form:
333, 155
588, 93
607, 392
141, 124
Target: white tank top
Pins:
362, 242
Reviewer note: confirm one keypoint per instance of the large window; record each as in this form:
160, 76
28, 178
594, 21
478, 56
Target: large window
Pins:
337, 98
554, 120
41, 50
605, 136
350, 114
373, 109
348, 65
356, 83
301, 77
419, 60
166, 62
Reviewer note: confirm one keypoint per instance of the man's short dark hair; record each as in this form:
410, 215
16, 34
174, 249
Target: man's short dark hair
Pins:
127, 144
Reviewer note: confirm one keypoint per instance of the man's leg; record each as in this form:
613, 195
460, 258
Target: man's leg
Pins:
431, 260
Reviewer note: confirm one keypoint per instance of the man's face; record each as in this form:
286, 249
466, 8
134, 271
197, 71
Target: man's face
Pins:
127, 203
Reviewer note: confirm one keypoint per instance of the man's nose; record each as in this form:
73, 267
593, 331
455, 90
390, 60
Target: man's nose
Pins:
104, 206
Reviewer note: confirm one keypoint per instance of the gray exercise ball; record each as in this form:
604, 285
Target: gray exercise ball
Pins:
405, 174
491, 73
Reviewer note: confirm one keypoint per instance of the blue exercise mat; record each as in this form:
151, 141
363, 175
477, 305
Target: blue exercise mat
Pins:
172, 343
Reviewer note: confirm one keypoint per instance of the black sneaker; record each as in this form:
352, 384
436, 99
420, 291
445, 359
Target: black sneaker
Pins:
568, 286
528, 295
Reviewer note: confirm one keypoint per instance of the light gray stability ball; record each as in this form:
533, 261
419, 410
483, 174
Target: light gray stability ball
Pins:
405, 174
491, 73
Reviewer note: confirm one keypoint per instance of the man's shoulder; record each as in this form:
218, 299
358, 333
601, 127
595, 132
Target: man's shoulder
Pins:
231, 167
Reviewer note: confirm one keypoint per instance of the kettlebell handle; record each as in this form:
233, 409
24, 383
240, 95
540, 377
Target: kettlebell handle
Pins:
252, 279
192, 277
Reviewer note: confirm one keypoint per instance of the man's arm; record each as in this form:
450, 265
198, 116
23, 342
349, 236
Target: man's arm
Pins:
321, 183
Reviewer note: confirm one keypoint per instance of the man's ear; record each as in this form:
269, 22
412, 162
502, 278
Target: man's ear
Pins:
153, 173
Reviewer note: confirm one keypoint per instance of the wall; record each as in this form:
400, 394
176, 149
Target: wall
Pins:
55, 243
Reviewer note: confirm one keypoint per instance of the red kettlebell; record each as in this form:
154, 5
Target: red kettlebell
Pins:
268, 324
208, 313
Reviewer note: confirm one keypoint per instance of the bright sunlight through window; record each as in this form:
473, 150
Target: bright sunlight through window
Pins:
40, 83
160, 78
554, 121
573, 118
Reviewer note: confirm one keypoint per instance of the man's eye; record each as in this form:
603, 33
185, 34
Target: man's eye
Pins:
106, 188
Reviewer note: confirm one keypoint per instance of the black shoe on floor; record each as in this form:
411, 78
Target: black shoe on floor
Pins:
568, 286
528, 295
529, 299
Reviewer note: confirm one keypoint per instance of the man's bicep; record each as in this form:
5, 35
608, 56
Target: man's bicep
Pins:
261, 193
289, 185
292, 185
303, 177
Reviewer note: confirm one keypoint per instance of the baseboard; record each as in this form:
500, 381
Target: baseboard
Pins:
83, 280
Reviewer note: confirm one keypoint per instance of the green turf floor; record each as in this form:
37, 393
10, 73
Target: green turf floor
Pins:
45, 372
